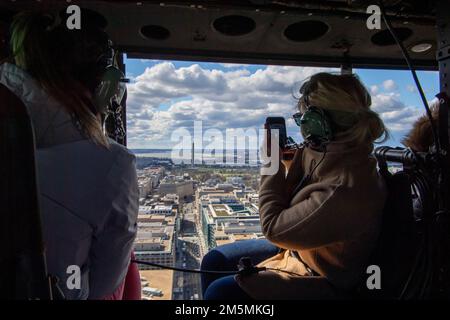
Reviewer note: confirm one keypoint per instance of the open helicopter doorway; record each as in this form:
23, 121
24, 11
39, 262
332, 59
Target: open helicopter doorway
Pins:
223, 24
181, 118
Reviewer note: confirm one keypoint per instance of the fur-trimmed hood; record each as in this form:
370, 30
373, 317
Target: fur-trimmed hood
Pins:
420, 138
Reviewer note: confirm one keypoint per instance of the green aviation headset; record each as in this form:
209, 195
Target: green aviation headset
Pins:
315, 126
109, 91
316, 129
111, 88
99, 58
99, 71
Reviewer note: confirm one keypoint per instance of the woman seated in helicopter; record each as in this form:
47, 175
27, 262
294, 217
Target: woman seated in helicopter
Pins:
87, 182
321, 213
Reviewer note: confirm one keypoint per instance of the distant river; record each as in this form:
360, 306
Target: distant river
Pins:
207, 157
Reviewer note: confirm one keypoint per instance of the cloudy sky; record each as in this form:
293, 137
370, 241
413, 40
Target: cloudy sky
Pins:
164, 96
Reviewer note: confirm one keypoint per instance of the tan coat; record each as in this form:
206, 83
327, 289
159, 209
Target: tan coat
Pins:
332, 223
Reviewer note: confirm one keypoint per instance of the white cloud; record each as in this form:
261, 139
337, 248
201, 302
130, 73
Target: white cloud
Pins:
164, 98
374, 89
233, 65
389, 85
220, 98
411, 88
396, 115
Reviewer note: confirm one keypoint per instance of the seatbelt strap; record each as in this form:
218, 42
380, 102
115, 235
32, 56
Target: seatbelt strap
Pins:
311, 272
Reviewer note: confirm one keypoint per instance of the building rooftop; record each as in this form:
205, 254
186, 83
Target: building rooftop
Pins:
226, 209
150, 218
149, 240
162, 207
161, 246
239, 236
160, 279
224, 241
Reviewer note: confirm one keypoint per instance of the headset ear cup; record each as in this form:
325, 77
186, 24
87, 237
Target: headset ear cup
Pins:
316, 127
327, 127
109, 86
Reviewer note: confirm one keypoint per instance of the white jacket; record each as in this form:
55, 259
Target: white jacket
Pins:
88, 195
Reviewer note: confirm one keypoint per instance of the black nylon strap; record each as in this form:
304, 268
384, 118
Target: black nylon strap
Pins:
311, 272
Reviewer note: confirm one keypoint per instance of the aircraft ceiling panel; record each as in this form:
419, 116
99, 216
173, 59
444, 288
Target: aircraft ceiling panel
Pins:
323, 33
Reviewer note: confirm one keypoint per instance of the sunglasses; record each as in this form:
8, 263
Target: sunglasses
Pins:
297, 118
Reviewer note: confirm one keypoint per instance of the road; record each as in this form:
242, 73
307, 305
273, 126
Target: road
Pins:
187, 285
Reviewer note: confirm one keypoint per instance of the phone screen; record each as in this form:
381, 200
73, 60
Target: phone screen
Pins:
278, 123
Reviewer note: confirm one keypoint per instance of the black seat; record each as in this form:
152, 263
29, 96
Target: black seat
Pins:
23, 273
400, 242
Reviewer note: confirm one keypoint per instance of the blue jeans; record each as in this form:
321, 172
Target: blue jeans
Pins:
226, 258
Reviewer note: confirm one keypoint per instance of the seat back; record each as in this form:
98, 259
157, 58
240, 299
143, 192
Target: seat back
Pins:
399, 241
23, 272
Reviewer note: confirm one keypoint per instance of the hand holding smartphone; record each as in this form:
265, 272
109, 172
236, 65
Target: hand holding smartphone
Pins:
279, 124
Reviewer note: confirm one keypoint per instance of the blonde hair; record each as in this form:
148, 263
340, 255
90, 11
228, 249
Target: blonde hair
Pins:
47, 55
347, 103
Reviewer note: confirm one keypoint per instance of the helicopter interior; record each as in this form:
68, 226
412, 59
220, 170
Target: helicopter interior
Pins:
325, 33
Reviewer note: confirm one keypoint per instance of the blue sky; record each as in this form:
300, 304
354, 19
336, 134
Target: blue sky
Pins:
168, 95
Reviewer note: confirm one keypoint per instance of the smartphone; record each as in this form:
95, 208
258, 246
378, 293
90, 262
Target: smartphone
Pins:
280, 124
276, 123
